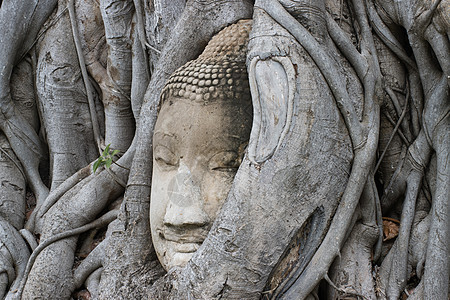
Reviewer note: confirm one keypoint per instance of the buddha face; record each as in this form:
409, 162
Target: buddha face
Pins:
197, 150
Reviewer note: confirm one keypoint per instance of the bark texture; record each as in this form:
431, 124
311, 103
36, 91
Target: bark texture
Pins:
343, 190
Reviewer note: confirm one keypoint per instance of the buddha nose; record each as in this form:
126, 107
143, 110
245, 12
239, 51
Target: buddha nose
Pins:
185, 205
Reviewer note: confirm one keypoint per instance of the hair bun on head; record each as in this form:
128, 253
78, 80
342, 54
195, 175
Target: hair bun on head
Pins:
219, 73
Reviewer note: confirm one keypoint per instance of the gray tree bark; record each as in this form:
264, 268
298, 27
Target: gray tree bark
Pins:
349, 143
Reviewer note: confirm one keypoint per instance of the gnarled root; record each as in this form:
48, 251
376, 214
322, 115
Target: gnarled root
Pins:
51, 275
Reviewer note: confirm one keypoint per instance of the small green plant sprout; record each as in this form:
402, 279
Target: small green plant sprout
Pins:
106, 159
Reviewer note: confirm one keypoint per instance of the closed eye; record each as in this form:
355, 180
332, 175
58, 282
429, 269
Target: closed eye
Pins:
164, 157
226, 169
227, 161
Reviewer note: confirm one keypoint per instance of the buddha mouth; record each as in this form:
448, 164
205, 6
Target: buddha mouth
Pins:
183, 241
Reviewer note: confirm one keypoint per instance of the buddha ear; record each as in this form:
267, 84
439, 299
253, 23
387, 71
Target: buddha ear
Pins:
272, 85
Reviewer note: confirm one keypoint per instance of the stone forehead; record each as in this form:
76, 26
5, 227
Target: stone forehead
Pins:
219, 73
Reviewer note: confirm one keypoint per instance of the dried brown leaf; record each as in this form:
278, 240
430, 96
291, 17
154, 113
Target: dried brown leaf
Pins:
390, 228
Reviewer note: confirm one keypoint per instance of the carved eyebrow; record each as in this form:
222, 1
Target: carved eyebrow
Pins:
163, 135
165, 139
235, 139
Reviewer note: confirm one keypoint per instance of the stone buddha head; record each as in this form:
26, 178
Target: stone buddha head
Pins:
201, 133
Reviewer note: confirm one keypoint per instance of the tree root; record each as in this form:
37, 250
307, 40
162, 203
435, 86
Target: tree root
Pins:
77, 206
348, 290
12, 186
364, 150
87, 83
93, 283
427, 68
398, 275
437, 265
392, 135
116, 84
4, 282
18, 251
434, 114
55, 195
21, 23
29, 238
91, 263
100, 222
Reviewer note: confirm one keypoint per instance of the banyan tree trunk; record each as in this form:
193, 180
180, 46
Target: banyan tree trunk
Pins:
292, 179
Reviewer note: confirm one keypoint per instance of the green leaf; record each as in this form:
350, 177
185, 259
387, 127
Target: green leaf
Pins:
96, 165
106, 158
106, 151
108, 163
